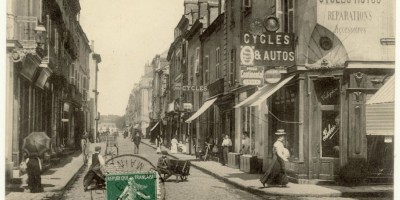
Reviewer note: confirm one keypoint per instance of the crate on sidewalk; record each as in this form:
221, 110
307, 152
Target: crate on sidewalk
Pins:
248, 163
233, 160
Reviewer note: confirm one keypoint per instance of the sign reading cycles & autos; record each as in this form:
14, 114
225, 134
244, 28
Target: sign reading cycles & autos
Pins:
267, 49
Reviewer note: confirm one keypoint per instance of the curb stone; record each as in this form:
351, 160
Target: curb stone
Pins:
259, 192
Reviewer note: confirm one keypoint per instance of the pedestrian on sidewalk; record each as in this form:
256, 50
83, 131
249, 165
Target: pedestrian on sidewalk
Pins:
174, 145
245, 143
136, 141
226, 144
95, 165
159, 143
34, 169
276, 174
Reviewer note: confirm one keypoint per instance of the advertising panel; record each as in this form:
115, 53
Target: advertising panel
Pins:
267, 49
251, 75
361, 22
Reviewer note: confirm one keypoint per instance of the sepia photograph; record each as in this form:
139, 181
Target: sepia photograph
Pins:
199, 99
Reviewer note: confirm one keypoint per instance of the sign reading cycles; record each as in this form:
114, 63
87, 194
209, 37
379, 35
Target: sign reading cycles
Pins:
267, 49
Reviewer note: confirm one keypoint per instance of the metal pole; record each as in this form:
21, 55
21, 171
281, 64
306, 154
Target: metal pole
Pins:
190, 138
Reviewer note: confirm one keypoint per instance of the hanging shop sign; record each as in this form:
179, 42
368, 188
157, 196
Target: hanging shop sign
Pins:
251, 75
272, 76
194, 88
216, 88
267, 49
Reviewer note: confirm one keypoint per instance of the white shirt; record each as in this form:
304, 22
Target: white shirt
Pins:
280, 149
227, 142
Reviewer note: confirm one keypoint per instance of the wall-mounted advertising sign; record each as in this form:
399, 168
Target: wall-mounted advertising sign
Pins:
194, 88
358, 21
267, 49
272, 76
251, 75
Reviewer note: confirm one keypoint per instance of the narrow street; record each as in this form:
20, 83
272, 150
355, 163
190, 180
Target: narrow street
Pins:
198, 186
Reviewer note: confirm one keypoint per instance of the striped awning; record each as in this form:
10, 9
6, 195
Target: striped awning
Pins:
385, 94
154, 126
200, 111
380, 111
263, 93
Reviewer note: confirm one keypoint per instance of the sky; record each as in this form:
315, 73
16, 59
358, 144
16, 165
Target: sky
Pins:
127, 34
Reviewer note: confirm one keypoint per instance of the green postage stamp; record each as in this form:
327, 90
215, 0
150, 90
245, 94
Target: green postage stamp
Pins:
136, 185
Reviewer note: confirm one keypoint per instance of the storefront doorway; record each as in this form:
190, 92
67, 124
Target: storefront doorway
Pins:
326, 128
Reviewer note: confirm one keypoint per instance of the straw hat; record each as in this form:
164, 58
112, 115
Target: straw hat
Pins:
280, 132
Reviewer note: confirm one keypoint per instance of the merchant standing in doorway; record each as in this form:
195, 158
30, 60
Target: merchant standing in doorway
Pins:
136, 141
226, 144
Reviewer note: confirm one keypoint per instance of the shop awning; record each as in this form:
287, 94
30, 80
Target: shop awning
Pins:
154, 126
263, 93
380, 111
203, 108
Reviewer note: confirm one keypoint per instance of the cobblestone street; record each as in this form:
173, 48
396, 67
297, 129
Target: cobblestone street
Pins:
198, 186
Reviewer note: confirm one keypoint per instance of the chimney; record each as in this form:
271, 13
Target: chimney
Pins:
92, 45
204, 13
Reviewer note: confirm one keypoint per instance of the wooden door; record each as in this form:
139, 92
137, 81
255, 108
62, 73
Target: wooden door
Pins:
326, 128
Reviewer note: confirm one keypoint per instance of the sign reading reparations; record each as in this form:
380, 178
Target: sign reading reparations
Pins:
138, 185
267, 49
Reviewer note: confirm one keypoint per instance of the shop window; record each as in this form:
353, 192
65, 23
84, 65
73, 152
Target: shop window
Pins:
283, 115
328, 94
330, 134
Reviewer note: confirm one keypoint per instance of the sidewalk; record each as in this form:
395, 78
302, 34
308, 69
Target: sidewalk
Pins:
251, 183
54, 180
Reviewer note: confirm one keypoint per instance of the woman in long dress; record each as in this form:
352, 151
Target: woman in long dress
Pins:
174, 145
276, 175
34, 168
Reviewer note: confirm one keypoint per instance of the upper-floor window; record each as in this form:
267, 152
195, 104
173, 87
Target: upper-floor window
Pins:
217, 63
232, 66
232, 13
285, 14
197, 62
56, 41
72, 74
206, 70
